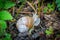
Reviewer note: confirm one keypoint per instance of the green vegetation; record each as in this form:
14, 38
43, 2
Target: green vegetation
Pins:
58, 4
5, 15
49, 31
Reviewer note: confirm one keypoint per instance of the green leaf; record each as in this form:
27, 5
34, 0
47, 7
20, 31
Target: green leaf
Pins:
7, 37
6, 4
9, 4
45, 10
49, 5
58, 5
1, 4
2, 31
49, 31
3, 24
51, 9
5, 15
57, 1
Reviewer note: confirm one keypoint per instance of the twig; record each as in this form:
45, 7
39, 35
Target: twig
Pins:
26, 12
20, 8
13, 11
31, 6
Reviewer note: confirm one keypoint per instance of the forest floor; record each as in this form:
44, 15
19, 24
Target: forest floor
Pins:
48, 19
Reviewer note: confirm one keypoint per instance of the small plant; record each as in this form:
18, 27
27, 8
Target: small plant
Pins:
49, 8
49, 31
45, 10
5, 15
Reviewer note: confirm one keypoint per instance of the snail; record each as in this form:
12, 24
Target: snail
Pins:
25, 23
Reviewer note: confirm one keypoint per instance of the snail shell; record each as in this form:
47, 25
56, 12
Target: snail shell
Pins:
24, 23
